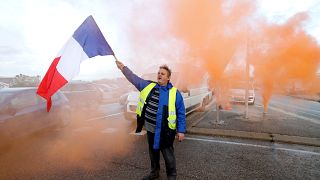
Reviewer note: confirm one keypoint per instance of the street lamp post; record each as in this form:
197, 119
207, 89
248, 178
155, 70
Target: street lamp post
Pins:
247, 80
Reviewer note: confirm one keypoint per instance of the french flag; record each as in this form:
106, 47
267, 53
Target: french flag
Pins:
86, 42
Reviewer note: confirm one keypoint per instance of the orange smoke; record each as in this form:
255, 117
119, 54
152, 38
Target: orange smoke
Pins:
213, 30
83, 145
285, 54
216, 31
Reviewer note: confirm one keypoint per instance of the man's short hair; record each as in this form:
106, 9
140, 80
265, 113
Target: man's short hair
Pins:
166, 68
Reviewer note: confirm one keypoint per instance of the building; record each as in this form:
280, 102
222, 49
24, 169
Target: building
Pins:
20, 80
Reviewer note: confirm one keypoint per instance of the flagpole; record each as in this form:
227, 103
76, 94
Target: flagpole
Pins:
115, 57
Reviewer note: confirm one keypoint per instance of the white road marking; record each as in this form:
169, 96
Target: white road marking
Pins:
296, 107
102, 117
302, 110
253, 145
288, 104
109, 130
111, 104
295, 115
83, 129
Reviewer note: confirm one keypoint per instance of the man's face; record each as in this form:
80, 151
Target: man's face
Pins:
163, 77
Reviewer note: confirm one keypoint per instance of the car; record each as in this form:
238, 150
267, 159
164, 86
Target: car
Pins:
123, 99
23, 112
237, 92
113, 90
4, 85
82, 95
296, 87
111, 93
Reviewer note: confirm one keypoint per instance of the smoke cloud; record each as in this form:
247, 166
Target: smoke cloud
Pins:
83, 145
221, 33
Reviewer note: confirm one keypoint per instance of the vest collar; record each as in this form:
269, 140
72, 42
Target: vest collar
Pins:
167, 87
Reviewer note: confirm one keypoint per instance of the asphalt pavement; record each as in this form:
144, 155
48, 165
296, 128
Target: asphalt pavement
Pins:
102, 147
288, 120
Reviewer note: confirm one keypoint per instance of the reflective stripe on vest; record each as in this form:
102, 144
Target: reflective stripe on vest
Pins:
143, 96
171, 104
172, 108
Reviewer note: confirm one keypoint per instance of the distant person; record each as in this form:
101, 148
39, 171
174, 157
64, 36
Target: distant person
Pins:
161, 109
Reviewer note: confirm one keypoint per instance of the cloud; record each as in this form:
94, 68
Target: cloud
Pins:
8, 50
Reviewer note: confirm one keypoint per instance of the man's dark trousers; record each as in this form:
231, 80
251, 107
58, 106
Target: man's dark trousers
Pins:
168, 156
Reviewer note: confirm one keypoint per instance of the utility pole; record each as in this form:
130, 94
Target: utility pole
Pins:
218, 104
247, 76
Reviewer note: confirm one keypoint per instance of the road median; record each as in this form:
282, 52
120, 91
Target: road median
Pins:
256, 136
273, 127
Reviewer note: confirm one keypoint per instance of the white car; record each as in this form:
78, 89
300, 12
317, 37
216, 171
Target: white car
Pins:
237, 93
23, 112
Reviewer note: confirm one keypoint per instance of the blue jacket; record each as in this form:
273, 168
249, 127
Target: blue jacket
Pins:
140, 84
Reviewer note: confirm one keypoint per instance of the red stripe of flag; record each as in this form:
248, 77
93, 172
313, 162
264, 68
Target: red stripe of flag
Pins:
51, 82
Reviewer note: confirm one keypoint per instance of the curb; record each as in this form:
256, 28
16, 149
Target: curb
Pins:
297, 140
255, 135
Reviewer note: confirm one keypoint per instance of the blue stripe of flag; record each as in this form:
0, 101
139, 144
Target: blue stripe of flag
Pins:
89, 36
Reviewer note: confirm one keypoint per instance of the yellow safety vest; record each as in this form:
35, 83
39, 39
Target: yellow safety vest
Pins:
171, 104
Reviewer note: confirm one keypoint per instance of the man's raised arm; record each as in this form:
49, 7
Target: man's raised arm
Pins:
138, 82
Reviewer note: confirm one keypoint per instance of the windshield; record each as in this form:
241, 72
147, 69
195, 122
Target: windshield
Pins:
4, 96
241, 85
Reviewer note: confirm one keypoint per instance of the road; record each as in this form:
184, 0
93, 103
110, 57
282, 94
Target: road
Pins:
301, 109
99, 146
308, 110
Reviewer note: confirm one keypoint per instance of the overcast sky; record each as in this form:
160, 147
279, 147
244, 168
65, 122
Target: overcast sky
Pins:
33, 31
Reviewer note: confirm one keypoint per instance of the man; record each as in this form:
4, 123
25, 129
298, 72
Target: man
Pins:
162, 109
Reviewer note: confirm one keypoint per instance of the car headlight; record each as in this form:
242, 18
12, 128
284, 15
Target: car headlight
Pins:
132, 108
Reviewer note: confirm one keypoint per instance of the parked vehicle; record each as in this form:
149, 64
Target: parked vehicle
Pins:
237, 92
194, 99
3, 85
110, 93
123, 99
83, 95
22, 113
